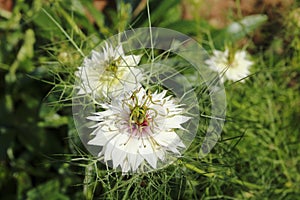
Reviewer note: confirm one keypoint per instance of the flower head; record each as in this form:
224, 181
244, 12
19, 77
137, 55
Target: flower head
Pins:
138, 129
108, 73
232, 65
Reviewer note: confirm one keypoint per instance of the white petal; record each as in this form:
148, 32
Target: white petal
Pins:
125, 166
107, 151
130, 61
135, 160
147, 152
102, 138
160, 154
175, 121
118, 155
160, 96
168, 139
119, 51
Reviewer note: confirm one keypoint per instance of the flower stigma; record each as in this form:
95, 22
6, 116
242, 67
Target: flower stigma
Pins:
140, 114
112, 66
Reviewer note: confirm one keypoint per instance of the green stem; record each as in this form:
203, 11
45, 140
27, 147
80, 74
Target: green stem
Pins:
211, 174
64, 32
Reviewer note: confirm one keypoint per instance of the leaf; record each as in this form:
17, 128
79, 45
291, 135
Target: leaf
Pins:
24, 182
25, 53
5, 14
6, 140
49, 190
177, 186
238, 30
50, 117
97, 16
63, 31
72, 23
53, 120
184, 26
158, 11
161, 9
47, 28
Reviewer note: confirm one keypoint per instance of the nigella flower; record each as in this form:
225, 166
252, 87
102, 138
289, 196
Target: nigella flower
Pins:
230, 65
138, 130
108, 73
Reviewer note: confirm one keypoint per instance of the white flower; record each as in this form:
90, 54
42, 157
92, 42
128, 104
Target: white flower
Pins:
230, 66
108, 73
138, 130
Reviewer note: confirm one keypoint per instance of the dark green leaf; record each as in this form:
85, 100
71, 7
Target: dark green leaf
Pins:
238, 30
49, 190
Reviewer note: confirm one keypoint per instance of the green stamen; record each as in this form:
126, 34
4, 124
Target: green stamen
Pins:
138, 114
113, 66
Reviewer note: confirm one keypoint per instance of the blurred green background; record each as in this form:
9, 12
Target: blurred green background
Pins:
42, 42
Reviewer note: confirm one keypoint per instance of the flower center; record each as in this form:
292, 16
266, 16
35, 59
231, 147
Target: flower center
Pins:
139, 116
112, 66
230, 57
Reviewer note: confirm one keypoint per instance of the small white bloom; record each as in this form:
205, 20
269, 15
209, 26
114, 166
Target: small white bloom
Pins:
108, 73
138, 130
230, 66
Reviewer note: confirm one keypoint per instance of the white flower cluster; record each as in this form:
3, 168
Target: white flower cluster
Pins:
108, 73
135, 128
230, 65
